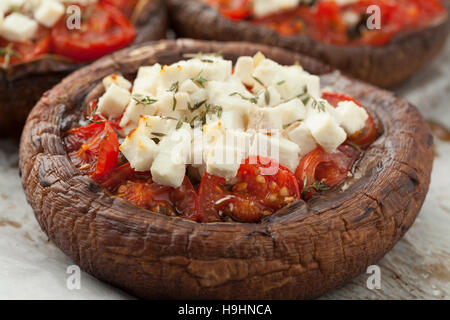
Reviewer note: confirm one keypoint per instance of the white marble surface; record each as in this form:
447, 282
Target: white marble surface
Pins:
418, 267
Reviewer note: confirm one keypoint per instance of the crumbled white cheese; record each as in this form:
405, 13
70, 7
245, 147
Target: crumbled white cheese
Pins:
265, 7
18, 27
113, 103
263, 108
351, 117
326, 131
49, 12
118, 80
169, 166
301, 135
276, 147
139, 149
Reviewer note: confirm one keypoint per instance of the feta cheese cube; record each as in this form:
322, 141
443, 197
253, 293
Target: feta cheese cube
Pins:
244, 70
169, 166
139, 149
351, 117
234, 118
291, 111
189, 86
171, 104
147, 79
49, 12
265, 7
277, 148
157, 126
118, 80
223, 161
268, 97
135, 109
18, 27
300, 134
113, 103
277, 117
290, 81
326, 131
214, 69
224, 158
267, 119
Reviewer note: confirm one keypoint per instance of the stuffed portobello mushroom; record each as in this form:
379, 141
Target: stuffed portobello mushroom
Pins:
42, 41
341, 33
194, 169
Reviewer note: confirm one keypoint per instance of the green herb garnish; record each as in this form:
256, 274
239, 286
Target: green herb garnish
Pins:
143, 100
8, 53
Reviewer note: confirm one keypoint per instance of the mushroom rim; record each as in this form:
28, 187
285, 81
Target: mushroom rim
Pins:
374, 194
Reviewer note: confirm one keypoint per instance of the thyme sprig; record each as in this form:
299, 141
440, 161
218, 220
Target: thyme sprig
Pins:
306, 97
253, 99
143, 99
209, 110
319, 186
8, 53
174, 87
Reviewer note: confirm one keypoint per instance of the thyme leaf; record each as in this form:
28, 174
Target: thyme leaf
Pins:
174, 87
8, 53
253, 100
144, 100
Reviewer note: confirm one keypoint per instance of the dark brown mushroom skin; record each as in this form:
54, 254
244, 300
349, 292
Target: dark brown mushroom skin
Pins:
22, 85
300, 252
385, 66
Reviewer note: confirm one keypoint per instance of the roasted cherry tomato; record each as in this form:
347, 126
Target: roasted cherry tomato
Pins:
91, 115
18, 52
251, 196
104, 29
326, 20
126, 6
319, 170
232, 9
139, 189
368, 134
93, 149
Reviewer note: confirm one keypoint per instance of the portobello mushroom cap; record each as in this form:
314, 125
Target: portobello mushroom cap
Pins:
299, 252
385, 66
23, 84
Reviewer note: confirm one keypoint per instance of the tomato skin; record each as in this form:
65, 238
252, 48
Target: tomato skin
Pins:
325, 20
368, 134
108, 30
252, 195
144, 193
330, 168
139, 189
126, 6
28, 50
93, 149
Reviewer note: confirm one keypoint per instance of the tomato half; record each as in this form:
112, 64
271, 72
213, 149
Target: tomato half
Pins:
126, 6
139, 189
232, 9
320, 170
251, 196
93, 149
28, 50
368, 134
105, 30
